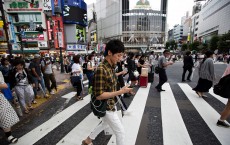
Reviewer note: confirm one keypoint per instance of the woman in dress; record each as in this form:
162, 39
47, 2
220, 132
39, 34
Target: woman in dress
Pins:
77, 71
206, 75
8, 116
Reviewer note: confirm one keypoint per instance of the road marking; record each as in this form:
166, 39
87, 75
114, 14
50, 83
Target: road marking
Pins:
132, 122
81, 131
174, 129
209, 114
223, 100
42, 130
68, 98
69, 95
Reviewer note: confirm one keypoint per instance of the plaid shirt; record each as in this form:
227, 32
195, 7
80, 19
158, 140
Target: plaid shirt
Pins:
105, 80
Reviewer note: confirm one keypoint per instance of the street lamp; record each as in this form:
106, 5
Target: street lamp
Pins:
57, 11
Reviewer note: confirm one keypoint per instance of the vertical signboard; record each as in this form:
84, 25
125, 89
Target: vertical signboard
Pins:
57, 29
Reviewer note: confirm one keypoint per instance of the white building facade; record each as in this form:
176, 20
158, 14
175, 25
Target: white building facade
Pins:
213, 19
139, 26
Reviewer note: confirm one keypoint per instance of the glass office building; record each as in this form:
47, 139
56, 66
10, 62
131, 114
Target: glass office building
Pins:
138, 23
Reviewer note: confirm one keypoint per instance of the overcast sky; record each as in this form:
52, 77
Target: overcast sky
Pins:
176, 9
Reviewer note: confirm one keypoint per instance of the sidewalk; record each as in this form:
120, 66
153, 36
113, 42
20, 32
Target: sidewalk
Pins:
62, 82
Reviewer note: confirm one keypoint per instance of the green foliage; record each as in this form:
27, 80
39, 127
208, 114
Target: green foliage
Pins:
167, 45
184, 47
194, 46
224, 43
172, 45
213, 45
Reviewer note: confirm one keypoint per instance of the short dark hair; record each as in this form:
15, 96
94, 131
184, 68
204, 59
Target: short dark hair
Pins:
19, 61
166, 51
114, 46
188, 53
76, 59
90, 57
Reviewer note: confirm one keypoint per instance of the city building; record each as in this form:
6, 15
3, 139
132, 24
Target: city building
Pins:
178, 34
212, 19
170, 35
26, 26
75, 23
92, 27
141, 25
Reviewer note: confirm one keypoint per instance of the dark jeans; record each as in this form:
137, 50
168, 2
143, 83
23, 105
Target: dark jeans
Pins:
79, 87
189, 74
90, 77
66, 69
50, 78
162, 78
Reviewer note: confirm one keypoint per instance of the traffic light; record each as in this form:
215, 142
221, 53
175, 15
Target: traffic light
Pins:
1, 24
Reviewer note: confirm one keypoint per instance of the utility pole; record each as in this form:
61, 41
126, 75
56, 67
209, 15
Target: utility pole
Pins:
5, 29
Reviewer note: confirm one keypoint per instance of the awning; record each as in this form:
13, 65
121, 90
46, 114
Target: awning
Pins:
25, 51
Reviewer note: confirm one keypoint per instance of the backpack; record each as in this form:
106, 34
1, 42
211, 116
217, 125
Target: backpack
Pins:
84, 68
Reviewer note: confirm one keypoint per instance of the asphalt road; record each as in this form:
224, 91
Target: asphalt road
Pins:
151, 127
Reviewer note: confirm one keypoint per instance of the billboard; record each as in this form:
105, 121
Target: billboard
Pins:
80, 34
145, 4
74, 15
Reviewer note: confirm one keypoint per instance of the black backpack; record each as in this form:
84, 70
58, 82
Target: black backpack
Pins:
84, 68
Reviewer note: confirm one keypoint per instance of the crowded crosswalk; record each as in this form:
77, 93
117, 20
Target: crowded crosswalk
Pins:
175, 129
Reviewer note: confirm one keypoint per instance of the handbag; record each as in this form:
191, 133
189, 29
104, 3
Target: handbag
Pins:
75, 79
219, 90
98, 106
157, 69
136, 73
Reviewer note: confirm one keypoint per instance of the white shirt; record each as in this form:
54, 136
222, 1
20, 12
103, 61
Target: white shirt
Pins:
48, 69
76, 67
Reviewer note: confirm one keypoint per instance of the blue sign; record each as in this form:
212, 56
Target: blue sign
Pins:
12, 29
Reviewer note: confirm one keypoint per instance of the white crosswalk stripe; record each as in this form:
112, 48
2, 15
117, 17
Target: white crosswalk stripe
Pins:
208, 114
39, 132
173, 126
174, 130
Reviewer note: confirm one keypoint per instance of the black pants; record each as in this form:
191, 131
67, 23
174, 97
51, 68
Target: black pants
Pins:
189, 74
66, 68
79, 87
162, 78
50, 78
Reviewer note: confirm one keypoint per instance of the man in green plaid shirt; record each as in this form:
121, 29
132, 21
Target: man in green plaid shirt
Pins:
105, 88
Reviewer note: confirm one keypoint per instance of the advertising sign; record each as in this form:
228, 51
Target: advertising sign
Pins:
73, 47
2, 33
46, 5
57, 29
70, 16
145, 4
80, 34
42, 44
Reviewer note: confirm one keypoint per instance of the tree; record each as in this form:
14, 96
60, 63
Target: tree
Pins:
194, 46
184, 47
224, 43
213, 45
167, 45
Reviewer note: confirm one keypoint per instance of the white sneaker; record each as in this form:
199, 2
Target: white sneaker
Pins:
52, 92
127, 112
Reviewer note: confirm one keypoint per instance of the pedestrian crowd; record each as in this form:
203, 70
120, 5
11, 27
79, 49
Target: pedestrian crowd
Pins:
21, 79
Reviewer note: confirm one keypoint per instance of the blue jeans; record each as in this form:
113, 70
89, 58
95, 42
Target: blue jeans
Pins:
37, 82
90, 77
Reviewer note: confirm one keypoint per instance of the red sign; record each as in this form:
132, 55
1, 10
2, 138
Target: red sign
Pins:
49, 30
58, 27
